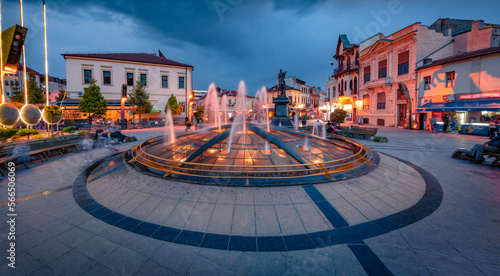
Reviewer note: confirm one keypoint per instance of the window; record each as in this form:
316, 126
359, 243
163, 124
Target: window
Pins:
87, 76
229, 102
403, 63
290, 97
382, 69
450, 79
130, 79
427, 83
366, 102
164, 81
144, 79
181, 82
350, 85
381, 100
6, 82
367, 74
355, 91
106, 77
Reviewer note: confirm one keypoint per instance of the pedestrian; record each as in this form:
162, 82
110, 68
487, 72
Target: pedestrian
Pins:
433, 121
188, 127
446, 121
21, 152
156, 123
493, 129
87, 145
478, 150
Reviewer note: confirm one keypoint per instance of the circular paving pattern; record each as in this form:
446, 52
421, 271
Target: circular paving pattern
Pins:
285, 218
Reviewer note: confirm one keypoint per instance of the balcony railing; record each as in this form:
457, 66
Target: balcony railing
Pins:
344, 67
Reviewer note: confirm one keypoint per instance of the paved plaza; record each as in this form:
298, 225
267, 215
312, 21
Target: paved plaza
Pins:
420, 212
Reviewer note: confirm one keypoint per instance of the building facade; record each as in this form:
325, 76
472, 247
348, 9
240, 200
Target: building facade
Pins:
388, 79
161, 77
13, 80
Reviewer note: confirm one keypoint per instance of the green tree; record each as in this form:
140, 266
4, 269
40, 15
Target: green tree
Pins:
338, 116
16, 94
60, 96
35, 94
93, 101
173, 105
139, 98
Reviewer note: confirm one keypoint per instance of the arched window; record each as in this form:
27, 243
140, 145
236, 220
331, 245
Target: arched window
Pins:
356, 60
366, 102
350, 85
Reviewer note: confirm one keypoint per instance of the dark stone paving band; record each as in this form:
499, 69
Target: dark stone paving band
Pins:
344, 235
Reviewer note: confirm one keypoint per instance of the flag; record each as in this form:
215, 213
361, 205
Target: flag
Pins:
331, 63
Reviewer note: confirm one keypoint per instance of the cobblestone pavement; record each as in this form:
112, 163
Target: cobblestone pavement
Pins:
261, 231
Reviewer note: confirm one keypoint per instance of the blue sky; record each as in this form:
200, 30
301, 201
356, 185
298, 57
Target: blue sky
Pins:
226, 40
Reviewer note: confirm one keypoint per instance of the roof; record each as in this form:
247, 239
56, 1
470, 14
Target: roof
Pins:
462, 56
29, 70
273, 89
136, 57
345, 40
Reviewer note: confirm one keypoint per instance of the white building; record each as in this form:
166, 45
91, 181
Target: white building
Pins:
55, 84
162, 77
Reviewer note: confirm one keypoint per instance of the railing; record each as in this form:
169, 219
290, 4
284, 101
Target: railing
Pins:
345, 67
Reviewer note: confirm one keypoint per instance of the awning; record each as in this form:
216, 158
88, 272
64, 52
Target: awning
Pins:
154, 110
492, 106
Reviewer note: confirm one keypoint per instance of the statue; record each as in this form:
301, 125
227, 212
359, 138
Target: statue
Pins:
281, 102
281, 84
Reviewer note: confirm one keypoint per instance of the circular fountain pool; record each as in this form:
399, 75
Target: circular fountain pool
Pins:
254, 157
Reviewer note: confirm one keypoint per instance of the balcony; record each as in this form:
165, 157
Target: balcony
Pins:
346, 67
388, 81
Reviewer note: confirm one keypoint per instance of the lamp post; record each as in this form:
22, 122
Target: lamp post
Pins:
124, 124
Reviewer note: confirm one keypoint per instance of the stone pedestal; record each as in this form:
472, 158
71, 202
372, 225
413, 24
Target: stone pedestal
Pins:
281, 108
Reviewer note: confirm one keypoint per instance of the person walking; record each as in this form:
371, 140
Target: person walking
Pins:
434, 121
446, 121
87, 145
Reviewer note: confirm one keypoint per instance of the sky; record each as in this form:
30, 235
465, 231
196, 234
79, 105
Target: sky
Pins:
226, 40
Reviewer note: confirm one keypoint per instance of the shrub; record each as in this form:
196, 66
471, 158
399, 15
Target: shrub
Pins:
27, 132
338, 116
83, 132
69, 129
6, 134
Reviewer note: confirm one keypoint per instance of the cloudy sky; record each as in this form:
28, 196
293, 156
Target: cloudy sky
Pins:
226, 40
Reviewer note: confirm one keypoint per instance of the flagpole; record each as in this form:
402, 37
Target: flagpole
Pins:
24, 59
46, 61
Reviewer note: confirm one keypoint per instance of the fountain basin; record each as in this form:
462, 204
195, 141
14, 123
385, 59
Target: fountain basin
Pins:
203, 157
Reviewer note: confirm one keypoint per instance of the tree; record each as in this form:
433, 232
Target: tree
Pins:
139, 98
93, 101
16, 94
198, 113
338, 116
173, 105
35, 94
60, 96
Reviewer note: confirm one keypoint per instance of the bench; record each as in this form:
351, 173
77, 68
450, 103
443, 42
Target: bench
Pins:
41, 149
366, 132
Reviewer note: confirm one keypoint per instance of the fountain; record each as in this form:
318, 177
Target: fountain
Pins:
261, 95
314, 129
323, 135
212, 106
169, 128
224, 104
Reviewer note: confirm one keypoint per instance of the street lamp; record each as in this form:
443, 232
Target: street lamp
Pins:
123, 99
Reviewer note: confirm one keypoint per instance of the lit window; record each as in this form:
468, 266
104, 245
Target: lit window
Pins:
366, 102
144, 79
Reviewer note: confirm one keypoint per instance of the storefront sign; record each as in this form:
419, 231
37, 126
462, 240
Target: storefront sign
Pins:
486, 95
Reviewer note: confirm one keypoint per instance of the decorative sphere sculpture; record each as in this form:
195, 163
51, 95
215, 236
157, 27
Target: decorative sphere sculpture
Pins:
30, 114
51, 119
9, 114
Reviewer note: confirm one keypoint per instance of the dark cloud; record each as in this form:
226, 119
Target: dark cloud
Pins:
225, 40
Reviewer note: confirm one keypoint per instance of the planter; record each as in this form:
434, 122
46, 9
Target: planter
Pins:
304, 123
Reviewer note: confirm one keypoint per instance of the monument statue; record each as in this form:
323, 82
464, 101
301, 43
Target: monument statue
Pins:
281, 102
281, 84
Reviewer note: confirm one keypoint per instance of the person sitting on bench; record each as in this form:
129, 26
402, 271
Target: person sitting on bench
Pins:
115, 132
477, 151
100, 136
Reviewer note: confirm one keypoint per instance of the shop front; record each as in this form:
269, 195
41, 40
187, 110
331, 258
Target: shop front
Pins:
472, 112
